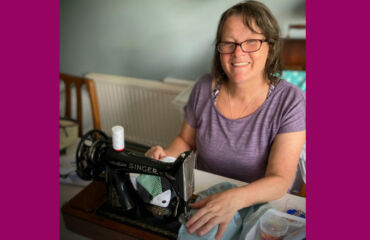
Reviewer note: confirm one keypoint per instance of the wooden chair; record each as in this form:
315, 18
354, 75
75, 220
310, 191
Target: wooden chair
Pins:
78, 82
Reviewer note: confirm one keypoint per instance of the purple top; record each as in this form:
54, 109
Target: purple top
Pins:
239, 149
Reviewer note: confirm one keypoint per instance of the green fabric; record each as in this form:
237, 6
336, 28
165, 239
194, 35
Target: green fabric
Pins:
151, 183
297, 78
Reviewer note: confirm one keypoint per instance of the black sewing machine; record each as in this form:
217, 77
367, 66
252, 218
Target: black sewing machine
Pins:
96, 159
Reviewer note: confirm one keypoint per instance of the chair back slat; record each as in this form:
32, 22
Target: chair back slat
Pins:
78, 82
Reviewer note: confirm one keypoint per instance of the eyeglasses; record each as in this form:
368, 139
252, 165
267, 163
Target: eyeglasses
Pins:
250, 45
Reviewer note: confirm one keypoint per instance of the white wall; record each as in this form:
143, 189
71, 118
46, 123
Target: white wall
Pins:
149, 39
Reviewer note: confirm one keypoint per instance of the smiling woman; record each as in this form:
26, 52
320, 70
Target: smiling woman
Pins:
259, 22
245, 122
240, 64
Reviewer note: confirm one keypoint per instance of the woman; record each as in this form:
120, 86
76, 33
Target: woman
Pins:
244, 122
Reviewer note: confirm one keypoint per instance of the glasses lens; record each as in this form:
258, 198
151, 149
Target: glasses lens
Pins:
226, 47
251, 45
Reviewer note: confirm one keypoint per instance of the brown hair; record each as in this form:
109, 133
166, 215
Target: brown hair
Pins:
258, 12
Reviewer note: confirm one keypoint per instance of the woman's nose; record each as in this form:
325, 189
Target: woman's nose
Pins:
238, 50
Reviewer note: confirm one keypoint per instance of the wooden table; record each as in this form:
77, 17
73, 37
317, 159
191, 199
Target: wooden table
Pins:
79, 214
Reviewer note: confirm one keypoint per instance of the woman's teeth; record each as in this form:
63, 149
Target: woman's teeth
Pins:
241, 64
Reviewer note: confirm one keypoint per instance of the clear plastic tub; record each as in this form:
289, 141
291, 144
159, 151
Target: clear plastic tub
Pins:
273, 227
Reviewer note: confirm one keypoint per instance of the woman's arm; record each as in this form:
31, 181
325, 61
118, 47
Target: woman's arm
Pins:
183, 142
281, 169
219, 209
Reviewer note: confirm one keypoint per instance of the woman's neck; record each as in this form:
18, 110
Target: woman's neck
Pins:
247, 89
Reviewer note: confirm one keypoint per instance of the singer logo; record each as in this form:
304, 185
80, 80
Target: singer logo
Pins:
142, 168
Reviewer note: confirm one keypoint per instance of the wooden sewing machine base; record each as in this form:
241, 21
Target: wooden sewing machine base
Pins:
81, 215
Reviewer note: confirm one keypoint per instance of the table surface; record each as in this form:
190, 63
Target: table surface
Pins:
203, 180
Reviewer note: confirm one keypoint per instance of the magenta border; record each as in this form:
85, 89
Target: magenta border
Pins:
337, 120
30, 110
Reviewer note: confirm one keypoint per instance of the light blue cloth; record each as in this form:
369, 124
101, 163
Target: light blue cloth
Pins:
235, 226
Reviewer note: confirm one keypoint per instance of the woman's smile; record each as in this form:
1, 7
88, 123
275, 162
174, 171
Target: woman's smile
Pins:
240, 64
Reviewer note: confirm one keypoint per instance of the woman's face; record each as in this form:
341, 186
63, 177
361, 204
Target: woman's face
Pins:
241, 66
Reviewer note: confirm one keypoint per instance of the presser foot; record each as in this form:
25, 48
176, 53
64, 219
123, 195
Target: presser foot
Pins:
158, 211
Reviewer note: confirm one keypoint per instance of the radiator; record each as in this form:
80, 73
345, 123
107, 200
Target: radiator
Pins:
143, 107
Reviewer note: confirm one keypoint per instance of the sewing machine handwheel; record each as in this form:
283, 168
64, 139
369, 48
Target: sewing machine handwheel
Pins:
88, 166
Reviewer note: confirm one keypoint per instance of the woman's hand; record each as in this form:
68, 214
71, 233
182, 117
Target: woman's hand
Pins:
156, 152
217, 209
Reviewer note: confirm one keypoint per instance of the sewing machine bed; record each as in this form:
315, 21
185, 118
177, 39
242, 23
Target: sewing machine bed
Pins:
147, 223
89, 214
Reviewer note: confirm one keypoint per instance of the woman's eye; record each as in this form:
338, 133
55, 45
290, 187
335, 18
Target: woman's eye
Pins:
228, 45
252, 41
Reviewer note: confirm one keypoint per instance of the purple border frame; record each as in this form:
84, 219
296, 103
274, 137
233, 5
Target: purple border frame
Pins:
337, 120
29, 96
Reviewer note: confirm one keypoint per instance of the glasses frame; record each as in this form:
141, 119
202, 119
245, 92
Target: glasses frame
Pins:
240, 44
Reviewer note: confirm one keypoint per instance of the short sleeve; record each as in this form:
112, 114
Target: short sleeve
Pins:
189, 109
197, 96
294, 111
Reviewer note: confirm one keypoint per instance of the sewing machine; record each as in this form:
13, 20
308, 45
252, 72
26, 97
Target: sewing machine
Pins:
95, 155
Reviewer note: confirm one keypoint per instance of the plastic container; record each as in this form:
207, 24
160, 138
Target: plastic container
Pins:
273, 227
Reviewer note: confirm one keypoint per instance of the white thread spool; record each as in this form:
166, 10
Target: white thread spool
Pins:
118, 137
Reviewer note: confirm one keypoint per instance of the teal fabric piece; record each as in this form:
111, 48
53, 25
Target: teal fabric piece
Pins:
297, 78
151, 183
235, 226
